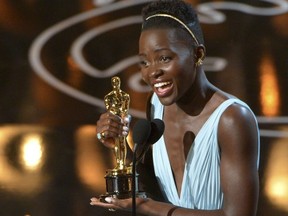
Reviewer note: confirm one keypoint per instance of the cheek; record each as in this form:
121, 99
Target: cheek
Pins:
188, 69
177, 71
144, 75
184, 66
185, 74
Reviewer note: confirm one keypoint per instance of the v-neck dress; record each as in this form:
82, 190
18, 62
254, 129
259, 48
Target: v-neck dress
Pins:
201, 181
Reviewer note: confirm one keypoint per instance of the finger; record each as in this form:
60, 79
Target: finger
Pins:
109, 143
96, 202
111, 123
107, 131
126, 122
125, 204
127, 119
111, 116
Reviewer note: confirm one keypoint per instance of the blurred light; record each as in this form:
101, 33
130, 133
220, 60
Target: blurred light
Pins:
279, 188
269, 88
22, 181
93, 159
32, 152
90, 158
276, 184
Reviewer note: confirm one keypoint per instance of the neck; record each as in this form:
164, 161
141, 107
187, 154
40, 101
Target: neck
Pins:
195, 99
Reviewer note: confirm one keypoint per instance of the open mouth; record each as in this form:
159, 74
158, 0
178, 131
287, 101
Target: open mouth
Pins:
162, 88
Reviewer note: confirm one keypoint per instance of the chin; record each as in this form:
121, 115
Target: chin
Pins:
166, 101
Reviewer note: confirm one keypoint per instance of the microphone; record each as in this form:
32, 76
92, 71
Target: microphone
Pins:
141, 132
145, 133
157, 130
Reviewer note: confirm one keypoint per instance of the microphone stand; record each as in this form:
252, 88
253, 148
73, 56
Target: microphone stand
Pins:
141, 133
134, 181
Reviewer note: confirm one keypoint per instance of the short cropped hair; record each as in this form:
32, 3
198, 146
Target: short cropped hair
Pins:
177, 8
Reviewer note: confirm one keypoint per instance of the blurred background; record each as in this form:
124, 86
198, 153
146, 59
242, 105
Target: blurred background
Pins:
56, 61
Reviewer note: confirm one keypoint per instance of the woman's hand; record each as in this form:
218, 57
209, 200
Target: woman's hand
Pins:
144, 206
110, 126
113, 204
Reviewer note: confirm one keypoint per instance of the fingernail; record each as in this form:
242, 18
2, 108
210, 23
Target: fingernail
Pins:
127, 119
125, 128
124, 133
108, 199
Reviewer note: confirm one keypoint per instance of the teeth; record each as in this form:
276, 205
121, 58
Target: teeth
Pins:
159, 85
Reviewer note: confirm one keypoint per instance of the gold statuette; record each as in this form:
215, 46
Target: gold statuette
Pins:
119, 180
117, 102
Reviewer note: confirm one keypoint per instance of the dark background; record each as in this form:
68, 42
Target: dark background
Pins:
50, 161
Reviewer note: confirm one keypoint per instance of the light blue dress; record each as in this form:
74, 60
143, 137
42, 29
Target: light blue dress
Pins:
201, 181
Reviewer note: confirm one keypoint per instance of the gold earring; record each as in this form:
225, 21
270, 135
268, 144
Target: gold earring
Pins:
199, 62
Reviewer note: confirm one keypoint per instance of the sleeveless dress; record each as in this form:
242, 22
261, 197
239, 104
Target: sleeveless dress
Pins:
201, 181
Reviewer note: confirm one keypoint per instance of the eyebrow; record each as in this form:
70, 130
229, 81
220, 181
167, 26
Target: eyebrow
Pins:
155, 51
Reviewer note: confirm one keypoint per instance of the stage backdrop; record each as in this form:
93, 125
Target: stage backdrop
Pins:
57, 58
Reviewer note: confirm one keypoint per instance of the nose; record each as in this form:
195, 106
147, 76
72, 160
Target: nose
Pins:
151, 72
155, 72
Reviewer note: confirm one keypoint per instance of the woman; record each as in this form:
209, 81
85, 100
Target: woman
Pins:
211, 139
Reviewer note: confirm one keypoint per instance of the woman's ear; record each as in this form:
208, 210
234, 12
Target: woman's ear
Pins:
200, 54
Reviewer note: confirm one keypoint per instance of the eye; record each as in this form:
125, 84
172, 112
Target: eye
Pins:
143, 63
165, 59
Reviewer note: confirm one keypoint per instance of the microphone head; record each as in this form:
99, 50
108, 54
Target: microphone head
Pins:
141, 131
157, 130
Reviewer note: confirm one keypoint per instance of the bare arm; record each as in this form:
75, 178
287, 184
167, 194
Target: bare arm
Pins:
238, 139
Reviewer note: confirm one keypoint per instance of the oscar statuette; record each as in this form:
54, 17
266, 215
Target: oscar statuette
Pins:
119, 180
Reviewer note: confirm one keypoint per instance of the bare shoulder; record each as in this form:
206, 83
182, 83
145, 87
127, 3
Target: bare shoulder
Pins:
237, 114
237, 127
238, 140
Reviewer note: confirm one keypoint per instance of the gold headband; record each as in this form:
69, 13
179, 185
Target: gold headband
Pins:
178, 20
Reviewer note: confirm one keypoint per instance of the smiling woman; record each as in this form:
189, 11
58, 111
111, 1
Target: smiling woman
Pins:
57, 59
159, 52
207, 159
